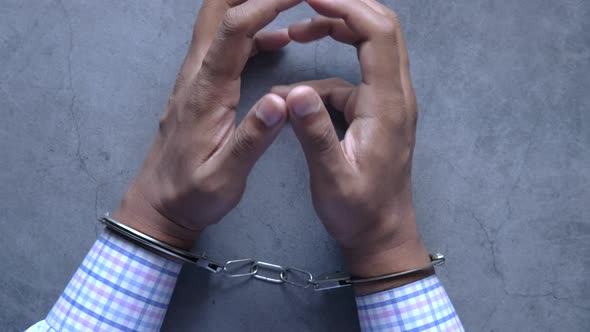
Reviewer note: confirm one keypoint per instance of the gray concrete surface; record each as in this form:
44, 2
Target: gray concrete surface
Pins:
502, 163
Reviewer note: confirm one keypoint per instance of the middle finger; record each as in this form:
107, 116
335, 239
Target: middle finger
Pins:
233, 44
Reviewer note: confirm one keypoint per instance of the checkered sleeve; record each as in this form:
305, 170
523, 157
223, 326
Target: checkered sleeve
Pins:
119, 287
419, 306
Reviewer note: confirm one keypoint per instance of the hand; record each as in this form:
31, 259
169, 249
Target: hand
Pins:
196, 170
361, 186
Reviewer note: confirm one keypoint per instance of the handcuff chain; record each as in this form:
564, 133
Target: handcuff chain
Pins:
248, 267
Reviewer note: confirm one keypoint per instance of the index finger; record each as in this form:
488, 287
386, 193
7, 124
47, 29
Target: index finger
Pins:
204, 31
233, 44
376, 31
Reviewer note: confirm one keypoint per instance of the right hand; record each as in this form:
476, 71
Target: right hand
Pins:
361, 187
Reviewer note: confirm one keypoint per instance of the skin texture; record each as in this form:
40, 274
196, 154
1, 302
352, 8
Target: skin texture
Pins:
197, 168
361, 187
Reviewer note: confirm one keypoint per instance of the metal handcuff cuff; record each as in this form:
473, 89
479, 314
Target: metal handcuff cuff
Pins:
236, 268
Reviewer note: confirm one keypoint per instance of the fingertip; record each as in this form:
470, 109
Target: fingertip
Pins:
281, 90
296, 30
283, 31
303, 100
270, 40
278, 101
271, 109
322, 6
300, 91
283, 38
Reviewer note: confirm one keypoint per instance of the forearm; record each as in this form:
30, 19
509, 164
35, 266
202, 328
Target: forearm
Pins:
118, 287
419, 306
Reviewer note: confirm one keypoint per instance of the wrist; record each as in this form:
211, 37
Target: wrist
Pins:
402, 259
138, 214
397, 255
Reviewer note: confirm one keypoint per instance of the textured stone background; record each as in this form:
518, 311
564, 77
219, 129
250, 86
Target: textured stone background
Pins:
502, 163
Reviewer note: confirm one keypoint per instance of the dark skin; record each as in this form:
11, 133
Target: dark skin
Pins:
197, 168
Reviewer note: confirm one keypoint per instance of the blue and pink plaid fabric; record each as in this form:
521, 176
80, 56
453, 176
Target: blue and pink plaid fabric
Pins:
419, 306
118, 287
123, 287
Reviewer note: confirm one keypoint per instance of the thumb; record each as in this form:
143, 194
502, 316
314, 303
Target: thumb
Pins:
312, 125
255, 134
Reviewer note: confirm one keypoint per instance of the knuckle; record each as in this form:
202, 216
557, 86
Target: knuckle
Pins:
413, 120
209, 69
405, 62
233, 23
244, 143
166, 120
204, 79
180, 82
389, 26
196, 98
322, 140
400, 112
393, 17
209, 184
405, 154
413, 111
170, 105
399, 119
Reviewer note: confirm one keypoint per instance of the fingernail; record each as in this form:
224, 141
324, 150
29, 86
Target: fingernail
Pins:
267, 112
304, 21
281, 90
305, 105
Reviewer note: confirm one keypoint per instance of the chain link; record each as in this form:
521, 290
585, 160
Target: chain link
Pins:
284, 274
303, 283
241, 263
248, 267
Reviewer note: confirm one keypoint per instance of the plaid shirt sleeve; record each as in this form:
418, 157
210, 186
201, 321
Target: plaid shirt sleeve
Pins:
419, 306
123, 287
119, 287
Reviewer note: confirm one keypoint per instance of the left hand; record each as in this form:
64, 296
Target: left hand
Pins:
196, 170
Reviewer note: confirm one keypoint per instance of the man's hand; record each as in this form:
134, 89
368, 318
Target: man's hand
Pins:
196, 170
361, 186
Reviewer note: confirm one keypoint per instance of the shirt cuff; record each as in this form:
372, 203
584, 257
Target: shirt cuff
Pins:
420, 306
119, 287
